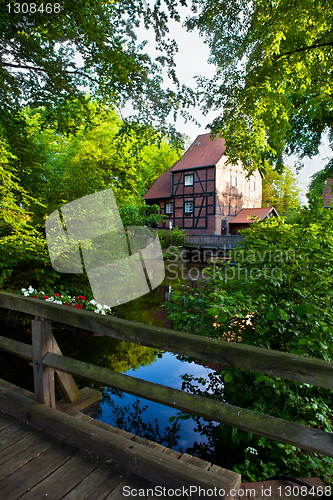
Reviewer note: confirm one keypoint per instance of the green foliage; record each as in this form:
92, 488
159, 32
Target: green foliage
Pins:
273, 77
173, 238
281, 191
50, 169
278, 296
53, 59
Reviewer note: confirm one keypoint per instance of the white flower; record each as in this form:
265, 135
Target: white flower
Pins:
96, 311
98, 306
253, 451
23, 289
30, 289
102, 311
57, 301
26, 294
93, 302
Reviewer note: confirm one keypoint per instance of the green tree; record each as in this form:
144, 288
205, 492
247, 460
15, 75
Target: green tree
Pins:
54, 58
281, 191
51, 169
278, 296
273, 77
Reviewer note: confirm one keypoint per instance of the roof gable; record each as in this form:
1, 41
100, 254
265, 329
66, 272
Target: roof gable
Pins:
203, 152
249, 215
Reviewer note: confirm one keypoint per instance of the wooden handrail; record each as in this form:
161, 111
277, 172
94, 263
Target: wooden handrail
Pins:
47, 361
258, 359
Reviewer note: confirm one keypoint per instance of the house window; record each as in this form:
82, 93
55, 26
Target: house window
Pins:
188, 207
252, 186
250, 204
169, 208
233, 181
188, 180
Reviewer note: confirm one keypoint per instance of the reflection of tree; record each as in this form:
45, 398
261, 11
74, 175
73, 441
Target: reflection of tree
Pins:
129, 418
106, 352
139, 309
219, 437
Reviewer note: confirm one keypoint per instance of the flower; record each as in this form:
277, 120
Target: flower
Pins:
79, 306
45, 297
81, 297
57, 295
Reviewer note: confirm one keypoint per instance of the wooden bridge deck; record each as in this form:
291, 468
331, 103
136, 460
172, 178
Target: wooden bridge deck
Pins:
33, 465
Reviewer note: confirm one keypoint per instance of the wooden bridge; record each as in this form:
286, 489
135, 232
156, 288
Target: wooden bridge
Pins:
215, 244
122, 456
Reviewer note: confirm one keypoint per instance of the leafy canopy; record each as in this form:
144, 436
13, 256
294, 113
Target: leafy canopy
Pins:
281, 191
89, 46
273, 77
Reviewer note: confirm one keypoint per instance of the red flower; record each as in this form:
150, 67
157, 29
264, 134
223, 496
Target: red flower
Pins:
67, 304
57, 295
81, 297
79, 306
45, 297
73, 305
34, 296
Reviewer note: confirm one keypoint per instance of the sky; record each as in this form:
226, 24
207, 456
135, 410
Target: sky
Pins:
192, 60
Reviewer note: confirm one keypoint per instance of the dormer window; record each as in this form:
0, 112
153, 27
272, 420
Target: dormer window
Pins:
233, 181
188, 181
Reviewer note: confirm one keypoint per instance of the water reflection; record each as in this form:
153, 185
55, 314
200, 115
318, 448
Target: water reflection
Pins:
142, 417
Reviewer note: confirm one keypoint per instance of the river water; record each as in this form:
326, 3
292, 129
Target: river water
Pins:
148, 419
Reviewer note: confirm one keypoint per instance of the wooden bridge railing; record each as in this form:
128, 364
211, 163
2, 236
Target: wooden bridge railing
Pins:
214, 241
48, 363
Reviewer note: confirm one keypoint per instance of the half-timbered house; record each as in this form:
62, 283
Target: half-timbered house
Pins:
201, 193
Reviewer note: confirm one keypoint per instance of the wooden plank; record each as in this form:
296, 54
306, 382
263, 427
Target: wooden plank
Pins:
12, 434
99, 484
42, 343
195, 461
173, 453
226, 473
65, 383
88, 398
22, 457
6, 421
34, 471
16, 347
283, 431
273, 363
64, 478
20, 446
15, 388
130, 482
141, 460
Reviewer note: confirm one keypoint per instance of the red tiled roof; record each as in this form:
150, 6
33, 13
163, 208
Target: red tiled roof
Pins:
161, 187
327, 193
249, 215
203, 152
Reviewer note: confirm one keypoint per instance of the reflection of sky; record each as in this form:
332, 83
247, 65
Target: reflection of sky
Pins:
166, 371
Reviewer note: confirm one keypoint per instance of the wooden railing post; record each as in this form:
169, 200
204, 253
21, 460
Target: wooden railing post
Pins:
42, 343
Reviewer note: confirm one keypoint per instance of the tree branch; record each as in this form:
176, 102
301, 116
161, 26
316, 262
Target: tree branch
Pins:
34, 68
302, 49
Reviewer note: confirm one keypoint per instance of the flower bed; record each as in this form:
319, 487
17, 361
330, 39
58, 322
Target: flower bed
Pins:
79, 302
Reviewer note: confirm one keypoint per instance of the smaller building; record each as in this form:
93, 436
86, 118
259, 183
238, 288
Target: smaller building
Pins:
248, 216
